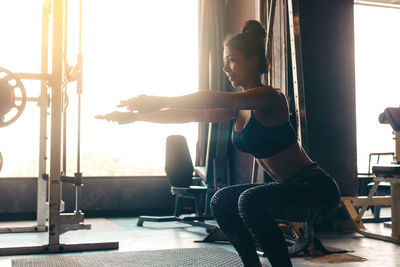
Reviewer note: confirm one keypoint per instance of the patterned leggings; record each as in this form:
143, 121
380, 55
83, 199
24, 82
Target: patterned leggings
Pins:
247, 210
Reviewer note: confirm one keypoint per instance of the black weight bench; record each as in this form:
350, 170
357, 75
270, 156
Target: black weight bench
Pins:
386, 170
184, 185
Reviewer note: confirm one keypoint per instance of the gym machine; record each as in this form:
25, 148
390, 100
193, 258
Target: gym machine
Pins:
12, 103
10, 84
49, 186
383, 173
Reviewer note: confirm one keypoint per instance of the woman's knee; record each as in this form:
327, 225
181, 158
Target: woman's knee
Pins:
222, 202
249, 203
225, 200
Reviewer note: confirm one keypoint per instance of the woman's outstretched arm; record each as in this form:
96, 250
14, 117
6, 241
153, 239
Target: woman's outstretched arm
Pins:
260, 97
170, 116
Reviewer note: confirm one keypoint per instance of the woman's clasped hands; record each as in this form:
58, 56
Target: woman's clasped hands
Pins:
135, 106
143, 103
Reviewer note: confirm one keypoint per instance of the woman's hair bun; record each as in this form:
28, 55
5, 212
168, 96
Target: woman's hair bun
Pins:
251, 42
254, 29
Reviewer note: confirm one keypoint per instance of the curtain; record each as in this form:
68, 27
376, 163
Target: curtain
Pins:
212, 147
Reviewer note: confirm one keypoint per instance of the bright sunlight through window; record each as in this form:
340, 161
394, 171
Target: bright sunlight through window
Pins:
377, 57
129, 48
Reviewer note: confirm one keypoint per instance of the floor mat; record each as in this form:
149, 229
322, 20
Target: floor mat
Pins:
185, 257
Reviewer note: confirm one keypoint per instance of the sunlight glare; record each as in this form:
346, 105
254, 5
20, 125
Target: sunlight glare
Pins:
377, 57
129, 48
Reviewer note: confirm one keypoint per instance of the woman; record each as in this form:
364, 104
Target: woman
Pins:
302, 191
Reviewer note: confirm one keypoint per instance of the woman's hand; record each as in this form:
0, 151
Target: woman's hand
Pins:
117, 116
144, 103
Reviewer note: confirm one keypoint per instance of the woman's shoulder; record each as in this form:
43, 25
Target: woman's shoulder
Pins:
268, 88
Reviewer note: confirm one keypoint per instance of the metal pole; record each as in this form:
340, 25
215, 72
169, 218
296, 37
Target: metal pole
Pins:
42, 208
65, 96
270, 30
79, 91
297, 70
56, 121
79, 85
397, 145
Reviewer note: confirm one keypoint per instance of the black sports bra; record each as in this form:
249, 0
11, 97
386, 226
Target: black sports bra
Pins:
263, 141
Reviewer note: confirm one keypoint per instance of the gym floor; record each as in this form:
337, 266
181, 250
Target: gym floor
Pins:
363, 251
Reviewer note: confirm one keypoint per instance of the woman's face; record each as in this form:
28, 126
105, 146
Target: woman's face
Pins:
240, 69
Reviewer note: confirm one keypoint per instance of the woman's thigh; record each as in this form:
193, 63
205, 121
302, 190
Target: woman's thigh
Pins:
297, 201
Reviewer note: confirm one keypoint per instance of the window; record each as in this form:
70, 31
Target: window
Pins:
20, 52
129, 48
377, 53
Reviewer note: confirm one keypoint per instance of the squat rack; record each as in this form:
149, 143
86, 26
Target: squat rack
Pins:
57, 80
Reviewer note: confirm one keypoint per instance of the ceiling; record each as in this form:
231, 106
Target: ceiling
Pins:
387, 3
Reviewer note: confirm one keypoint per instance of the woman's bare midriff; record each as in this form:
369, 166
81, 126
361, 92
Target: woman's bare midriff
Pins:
286, 163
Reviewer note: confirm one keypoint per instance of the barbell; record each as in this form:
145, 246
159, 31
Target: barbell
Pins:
12, 97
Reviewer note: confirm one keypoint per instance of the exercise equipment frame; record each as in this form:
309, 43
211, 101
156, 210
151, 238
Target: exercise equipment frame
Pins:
58, 223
